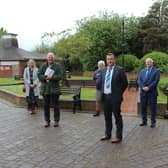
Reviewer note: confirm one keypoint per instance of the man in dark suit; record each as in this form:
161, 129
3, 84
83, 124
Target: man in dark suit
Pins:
148, 81
114, 82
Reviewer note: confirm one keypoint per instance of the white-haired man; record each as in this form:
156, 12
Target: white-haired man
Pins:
50, 74
148, 80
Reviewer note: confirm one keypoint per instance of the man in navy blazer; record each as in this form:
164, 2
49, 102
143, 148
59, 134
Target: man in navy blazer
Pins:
114, 82
148, 80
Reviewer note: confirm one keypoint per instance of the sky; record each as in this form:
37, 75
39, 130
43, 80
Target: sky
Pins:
31, 18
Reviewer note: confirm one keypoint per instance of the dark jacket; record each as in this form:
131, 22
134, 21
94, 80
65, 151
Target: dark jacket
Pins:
52, 86
151, 81
118, 84
97, 78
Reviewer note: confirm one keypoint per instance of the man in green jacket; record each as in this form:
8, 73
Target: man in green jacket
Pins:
50, 74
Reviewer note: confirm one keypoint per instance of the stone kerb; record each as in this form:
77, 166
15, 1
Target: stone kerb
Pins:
87, 105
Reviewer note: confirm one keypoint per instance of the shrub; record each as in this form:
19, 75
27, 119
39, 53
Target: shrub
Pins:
163, 84
130, 62
160, 61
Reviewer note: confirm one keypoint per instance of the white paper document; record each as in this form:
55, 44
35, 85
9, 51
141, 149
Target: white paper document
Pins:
49, 72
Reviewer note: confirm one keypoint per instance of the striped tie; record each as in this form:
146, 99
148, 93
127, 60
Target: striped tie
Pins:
108, 77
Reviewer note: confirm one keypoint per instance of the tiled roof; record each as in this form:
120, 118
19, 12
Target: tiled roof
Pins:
13, 53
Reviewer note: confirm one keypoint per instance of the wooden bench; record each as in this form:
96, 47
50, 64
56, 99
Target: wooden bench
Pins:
132, 83
75, 91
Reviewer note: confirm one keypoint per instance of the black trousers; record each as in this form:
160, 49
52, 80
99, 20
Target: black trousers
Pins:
110, 107
54, 101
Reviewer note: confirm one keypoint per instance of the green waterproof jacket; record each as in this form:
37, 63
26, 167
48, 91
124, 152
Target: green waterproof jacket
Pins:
52, 86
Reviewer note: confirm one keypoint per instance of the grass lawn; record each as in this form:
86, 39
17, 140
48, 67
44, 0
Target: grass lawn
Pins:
80, 78
15, 89
86, 93
162, 97
9, 80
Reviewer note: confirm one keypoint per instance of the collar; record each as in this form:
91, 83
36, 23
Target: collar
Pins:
110, 68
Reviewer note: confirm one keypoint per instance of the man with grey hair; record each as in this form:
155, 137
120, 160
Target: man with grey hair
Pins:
96, 77
50, 74
148, 80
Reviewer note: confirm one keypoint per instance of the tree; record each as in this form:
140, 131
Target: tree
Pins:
75, 46
2, 31
104, 32
153, 28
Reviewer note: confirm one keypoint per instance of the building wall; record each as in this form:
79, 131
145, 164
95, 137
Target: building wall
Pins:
5, 71
22, 65
13, 68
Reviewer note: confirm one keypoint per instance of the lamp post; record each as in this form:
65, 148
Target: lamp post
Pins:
122, 40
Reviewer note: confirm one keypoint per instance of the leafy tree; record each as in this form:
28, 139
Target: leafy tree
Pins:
153, 28
104, 33
2, 31
130, 62
74, 45
43, 48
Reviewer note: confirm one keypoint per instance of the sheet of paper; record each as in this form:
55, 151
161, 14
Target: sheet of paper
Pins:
49, 72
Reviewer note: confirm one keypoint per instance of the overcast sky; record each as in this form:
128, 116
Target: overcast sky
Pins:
31, 18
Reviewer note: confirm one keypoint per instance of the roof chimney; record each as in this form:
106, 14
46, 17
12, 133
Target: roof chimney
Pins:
9, 40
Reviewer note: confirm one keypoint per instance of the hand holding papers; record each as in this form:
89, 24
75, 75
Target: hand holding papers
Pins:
49, 73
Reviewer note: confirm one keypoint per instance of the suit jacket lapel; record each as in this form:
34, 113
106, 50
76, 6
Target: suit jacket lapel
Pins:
114, 73
103, 76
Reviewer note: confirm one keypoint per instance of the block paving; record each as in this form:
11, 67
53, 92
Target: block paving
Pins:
25, 143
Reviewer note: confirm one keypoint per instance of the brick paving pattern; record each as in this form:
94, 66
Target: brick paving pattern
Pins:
25, 143
129, 105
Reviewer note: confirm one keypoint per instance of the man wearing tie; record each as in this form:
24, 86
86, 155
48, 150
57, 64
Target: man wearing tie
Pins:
148, 80
114, 82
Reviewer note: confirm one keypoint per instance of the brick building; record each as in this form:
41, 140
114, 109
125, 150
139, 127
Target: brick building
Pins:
12, 58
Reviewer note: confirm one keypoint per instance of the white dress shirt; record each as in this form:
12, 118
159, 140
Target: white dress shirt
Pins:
108, 90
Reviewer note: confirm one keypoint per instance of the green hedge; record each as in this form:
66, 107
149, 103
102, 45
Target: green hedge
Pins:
163, 83
130, 62
160, 61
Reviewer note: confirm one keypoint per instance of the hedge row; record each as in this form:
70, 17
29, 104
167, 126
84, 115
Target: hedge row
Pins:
132, 63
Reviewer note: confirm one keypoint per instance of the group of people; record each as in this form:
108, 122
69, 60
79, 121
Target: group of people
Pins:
111, 82
49, 75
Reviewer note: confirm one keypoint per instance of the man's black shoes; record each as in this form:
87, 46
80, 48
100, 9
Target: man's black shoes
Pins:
153, 125
96, 114
143, 124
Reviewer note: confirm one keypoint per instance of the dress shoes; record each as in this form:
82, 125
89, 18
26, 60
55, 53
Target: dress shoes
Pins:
153, 125
104, 138
47, 125
96, 114
116, 140
56, 124
143, 124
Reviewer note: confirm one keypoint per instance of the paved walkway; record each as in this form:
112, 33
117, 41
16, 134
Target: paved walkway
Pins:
24, 143
129, 105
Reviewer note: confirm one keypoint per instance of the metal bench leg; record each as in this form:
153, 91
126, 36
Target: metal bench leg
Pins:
74, 106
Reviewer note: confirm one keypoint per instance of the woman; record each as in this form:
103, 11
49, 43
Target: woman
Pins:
96, 77
31, 85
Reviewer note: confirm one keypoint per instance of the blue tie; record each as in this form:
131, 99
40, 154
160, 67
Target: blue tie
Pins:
108, 77
147, 73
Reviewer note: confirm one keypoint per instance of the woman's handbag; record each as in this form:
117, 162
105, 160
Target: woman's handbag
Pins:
23, 88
